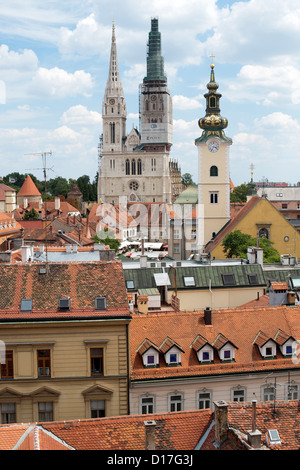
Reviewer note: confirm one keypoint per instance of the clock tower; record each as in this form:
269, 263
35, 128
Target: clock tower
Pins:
213, 167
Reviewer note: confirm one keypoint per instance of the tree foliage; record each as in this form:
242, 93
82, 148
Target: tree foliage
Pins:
187, 180
236, 243
31, 215
240, 193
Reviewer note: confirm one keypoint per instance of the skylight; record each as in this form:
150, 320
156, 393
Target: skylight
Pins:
26, 305
189, 281
100, 303
253, 280
64, 304
228, 279
274, 436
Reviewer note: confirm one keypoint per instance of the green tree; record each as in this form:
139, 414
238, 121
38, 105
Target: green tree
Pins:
236, 243
31, 215
187, 180
88, 189
107, 237
58, 186
239, 193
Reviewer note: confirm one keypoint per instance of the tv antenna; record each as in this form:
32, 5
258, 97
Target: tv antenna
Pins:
44, 168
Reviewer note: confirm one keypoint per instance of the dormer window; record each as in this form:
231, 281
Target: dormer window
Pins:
266, 345
228, 279
285, 343
171, 351
149, 353
189, 281
226, 349
204, 350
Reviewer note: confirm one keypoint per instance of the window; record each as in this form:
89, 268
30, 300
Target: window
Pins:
253, 280
147, 405
100, 303
214, 171
204, 400
139, 166
112, 164
273, 436
127, 167
228, 279
205, 356
238, 395
176, 248
64, 305
150, 360
112, 133
133, 167
153, 164
214, 198
130, 284
292, 392
212, 102
8, 413
175, 403
284, 206
97, 408
269, 393
96, 361
26, 305
7, 369
189, 281
177, 232
43, 359
134, 186
227, 354
45, 411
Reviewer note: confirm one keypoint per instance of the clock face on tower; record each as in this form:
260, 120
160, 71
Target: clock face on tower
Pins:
213, 146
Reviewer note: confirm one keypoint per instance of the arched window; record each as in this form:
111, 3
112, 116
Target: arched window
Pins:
139, 166
133, 167
212, 102
127, 167
112, 133
214, 170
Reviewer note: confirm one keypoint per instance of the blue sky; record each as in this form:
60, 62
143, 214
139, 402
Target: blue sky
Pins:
54, 59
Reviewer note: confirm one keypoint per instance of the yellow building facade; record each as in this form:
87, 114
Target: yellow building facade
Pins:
259, 218
67, 360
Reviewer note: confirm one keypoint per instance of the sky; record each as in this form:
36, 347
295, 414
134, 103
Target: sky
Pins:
54, 59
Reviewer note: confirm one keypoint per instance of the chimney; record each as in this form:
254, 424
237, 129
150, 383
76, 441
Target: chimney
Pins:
207, 316
221, 422
150, 435
142, 303
57, 203
254, 436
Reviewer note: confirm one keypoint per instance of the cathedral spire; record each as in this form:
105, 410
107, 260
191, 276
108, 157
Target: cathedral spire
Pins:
155, 61
113, 82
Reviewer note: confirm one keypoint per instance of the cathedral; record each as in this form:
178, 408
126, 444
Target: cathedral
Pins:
137, 166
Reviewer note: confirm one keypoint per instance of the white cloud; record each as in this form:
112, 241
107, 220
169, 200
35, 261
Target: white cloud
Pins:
80, 116
183, 103
57, 82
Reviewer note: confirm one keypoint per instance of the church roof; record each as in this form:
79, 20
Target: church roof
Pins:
29, 188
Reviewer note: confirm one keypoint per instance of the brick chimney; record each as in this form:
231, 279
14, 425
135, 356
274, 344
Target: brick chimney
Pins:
150, 434
207, 316
221, 422
254, 436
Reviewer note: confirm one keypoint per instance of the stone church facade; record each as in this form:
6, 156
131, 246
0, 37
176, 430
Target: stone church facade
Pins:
137, 167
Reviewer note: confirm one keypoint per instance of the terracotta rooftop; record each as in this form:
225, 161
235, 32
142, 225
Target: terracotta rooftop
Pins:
29, 188
239, 326
46, 284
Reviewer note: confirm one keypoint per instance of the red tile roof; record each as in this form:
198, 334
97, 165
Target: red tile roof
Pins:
29, 188
239, 326
81, 282
173, 431
283, 416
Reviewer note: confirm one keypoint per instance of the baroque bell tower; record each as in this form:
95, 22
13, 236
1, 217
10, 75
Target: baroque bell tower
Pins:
213, 166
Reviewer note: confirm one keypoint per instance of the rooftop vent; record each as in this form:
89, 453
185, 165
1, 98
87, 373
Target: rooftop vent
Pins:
64, 304
100, 303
